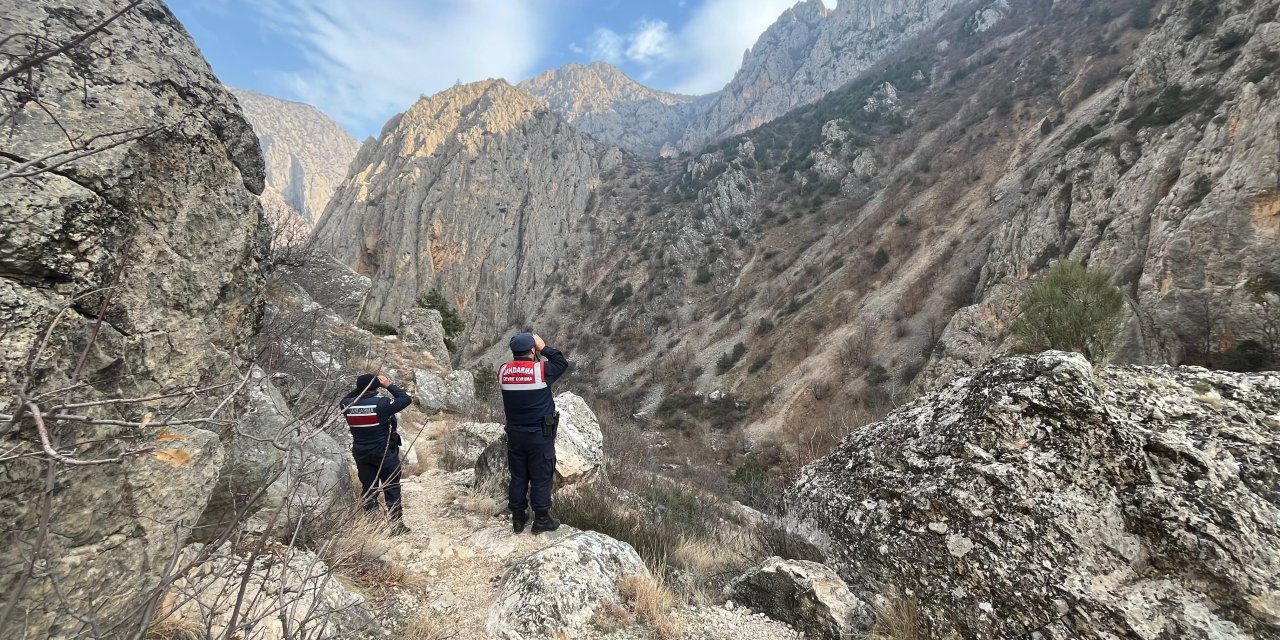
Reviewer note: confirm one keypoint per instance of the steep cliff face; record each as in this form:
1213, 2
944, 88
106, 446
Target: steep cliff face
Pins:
602, 102
480, 191
164, 233
807, 53
1166, 177
306, 153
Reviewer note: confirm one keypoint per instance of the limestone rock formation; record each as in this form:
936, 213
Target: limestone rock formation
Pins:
424, 329
306, 153
454, 392
806, 595
468, 440
328, 283
808, 52
579, 447
303, 470
556, 591
290, 595
480, 191
602, 102
1140, 182
1035, 496
175, 215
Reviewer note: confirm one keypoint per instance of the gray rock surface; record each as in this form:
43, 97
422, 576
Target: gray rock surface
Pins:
556, 591
455, 392
305, 470
306, 153
178, 212
290, 595
579, 448
329, 283
808, 52
422, 329
806, 595
602, 102
491, 245
1035, 497
468, 440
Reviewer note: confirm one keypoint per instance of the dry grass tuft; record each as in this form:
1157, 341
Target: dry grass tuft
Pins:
359, 552
452, 450
611, 617
898, 618
651, 601
429, 625
173, 627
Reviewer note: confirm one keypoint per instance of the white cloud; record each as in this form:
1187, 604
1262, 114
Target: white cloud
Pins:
367, 60
651, 41
706, 51
606, 44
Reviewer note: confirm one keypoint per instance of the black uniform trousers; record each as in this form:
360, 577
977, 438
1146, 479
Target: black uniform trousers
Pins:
379, 471
531, 458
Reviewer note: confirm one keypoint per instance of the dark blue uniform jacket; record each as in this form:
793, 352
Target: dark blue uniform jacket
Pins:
527, 397
369, 416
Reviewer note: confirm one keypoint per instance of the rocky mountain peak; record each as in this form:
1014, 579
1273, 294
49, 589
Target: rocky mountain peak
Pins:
603, 102
809, 52
477, 184
306, 153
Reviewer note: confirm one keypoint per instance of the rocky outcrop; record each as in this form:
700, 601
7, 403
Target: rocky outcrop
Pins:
476, 191
808, 52
467, 441
1036, 496
556, 591
327, 282
602, 102
806, 595
290, 595
306, 153
455, 392
175, 215
579, 447
301, 472
424, 329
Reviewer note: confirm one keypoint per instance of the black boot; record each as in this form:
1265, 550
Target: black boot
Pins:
542, 521
518, 520
398, 528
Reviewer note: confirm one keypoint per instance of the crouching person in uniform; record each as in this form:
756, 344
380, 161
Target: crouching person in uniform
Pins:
531, 423
375, 444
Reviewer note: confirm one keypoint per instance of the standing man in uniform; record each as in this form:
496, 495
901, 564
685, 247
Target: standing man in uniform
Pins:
531, 428
375, 444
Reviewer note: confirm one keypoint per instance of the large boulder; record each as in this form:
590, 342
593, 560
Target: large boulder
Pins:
555, 592
164, 233
579, 447
290, 594
424, 329
1035, 497
807, 595
330, 283
466, 442
304, 470
454, 392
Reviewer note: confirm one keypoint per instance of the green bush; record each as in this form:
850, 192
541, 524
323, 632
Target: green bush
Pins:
730, 358
621, 294
378, 328
880, 259
452, 322
1071, 309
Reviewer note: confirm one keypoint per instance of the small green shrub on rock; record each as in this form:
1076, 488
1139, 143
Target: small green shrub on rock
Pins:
1071, 309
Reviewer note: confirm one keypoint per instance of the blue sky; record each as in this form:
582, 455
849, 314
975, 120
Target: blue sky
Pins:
362, 61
